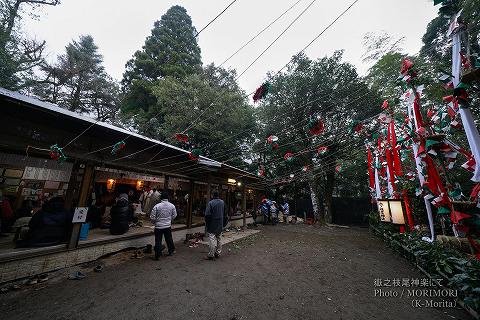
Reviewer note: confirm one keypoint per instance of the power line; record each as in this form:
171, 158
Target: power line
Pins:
320, 34
218, 15
331, 24
276, 39
321, 143
259, 33
196, 121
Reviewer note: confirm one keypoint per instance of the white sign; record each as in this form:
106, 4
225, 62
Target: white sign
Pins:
80, 215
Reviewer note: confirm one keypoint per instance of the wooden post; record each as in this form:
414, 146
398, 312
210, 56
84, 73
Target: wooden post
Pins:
190, 204
244, 205
209, 187
165, 184
228, 200
295, 198
82, 202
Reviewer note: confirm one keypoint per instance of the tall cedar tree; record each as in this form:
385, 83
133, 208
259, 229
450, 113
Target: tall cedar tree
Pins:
171, 50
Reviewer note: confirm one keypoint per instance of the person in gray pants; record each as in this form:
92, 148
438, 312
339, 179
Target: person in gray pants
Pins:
214, 224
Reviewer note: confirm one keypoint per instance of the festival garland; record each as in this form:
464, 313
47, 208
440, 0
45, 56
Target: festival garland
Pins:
261, 91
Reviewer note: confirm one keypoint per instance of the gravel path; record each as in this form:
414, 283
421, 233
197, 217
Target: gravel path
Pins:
283, 272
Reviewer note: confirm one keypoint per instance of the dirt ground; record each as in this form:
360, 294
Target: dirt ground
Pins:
283, 272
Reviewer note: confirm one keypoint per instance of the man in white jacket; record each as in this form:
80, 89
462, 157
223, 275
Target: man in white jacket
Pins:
162, 216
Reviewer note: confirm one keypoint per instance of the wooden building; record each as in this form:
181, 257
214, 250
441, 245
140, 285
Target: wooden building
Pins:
92, 173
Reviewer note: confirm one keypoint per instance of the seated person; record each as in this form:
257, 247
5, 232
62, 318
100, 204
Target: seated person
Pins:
94, 215
121, 214
26, 210
49, 226
6, 214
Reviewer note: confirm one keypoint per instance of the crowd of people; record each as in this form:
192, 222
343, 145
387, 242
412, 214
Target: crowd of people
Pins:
271, 210
52, 223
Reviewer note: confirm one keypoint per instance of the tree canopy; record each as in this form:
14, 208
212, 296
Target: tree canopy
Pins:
209, 104
326, 89
19, 55
78, 81
170, 51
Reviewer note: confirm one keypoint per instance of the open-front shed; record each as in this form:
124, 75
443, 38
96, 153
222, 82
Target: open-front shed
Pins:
93, 174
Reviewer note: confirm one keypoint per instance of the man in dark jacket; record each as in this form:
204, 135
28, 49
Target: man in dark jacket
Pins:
214, 223
122, 214
49, 226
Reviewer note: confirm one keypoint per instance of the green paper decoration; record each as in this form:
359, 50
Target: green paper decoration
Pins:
56, 153
443, 210
119, 146
194, 154
429, 143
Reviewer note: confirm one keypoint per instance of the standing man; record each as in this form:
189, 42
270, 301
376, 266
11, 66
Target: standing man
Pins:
214, 223
265, 209
162, 216
274, 212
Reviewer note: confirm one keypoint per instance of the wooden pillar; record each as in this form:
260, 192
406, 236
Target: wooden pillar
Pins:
165, 183
82, 202
209, 188
244, 204
228, 201
190, 204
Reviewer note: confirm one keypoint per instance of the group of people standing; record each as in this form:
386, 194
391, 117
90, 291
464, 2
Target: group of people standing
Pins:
271, 211
164, 212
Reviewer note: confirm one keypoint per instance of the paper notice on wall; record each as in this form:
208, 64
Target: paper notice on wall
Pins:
29, 173
43, 173
54, 175
80, 215
12, 173
52, 185
26, 191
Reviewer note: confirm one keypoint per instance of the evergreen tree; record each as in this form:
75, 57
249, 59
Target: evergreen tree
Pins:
19, 55
211, 105
171, 50
78, 81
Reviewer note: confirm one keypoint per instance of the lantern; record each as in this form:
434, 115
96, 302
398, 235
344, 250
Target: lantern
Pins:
396, 211
384, 210
111, 185
391, 210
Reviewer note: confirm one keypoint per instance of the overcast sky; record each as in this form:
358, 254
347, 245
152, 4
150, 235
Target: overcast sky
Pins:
119, 28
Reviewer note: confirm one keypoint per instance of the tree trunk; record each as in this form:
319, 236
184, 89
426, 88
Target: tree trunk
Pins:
315, 202
328, 195
12, 15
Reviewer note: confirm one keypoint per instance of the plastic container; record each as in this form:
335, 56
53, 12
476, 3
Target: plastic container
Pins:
84, 231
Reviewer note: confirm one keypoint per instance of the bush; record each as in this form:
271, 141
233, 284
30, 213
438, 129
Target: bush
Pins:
460, 270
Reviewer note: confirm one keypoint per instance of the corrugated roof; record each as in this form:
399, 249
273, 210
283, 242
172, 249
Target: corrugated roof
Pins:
48, 106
